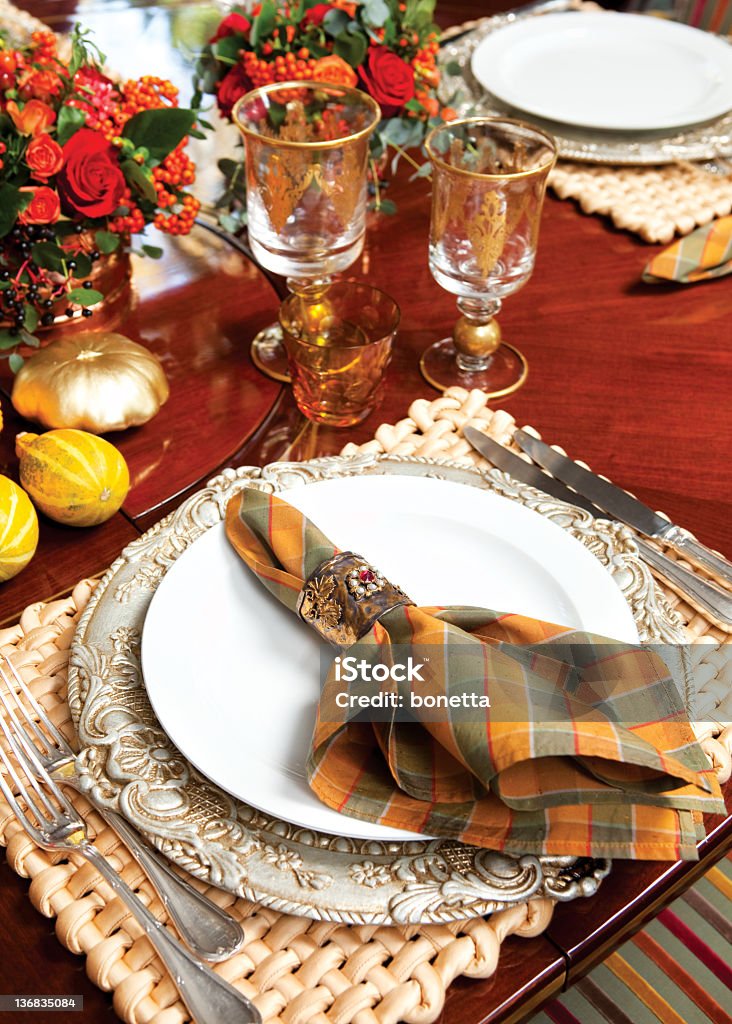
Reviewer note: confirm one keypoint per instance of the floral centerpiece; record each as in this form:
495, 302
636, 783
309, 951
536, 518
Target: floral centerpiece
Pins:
385, 47
85, 162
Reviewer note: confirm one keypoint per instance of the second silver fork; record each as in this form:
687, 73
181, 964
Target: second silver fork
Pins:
206, 929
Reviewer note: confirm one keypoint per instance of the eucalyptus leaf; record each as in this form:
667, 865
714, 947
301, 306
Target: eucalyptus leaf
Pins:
375, 12
106, 241
29, 339
30, 321
351, 49
7, 340
153, 251
387, 206
15, 362
84, 296
335, 22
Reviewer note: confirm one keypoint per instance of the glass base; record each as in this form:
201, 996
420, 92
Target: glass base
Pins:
506, 373
270, 355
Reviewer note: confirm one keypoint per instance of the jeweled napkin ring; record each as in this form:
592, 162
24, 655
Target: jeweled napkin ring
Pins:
344, 597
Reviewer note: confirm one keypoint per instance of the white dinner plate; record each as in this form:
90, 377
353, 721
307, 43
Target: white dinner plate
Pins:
233, 676
608, 71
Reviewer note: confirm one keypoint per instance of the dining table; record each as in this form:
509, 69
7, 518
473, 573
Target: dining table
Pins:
634, 379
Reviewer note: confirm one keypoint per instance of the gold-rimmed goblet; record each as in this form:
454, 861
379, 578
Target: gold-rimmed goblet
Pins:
488, 183
307, 149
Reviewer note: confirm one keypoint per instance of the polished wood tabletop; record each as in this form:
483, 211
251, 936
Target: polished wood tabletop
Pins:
631, 378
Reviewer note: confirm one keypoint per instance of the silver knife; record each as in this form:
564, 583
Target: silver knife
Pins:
712, 601
620, 505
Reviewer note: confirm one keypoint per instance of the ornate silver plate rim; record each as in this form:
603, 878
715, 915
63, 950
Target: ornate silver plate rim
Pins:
129, 764
462, 91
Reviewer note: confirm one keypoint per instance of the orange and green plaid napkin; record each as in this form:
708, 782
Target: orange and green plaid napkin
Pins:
701, 256
617, 773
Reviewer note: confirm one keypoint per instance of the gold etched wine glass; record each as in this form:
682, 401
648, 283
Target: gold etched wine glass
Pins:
488, 183
307, 149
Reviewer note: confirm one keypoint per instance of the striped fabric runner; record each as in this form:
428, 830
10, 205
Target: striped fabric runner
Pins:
678, 970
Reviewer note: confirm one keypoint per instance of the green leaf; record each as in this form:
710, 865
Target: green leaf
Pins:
49, 256
31, 318
387, 206
12, 202
414, 105
70, 119
7, 340
227, 49
153, 251
453, 68
351, 49
335, 22
139, 178
375, 12
264, 23
15, 362
29, 339
84, 296
159, 131
83, 266
106, 241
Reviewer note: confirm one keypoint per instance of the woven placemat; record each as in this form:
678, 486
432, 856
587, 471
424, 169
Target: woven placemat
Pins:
296, 971
656, 203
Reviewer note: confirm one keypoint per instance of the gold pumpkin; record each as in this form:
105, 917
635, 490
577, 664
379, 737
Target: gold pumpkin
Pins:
95, 381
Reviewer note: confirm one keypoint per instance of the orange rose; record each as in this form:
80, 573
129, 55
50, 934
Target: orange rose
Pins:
44, 156
334, 69
34, 118
44, 207
40, 84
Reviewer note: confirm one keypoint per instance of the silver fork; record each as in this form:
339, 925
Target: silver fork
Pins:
208, 930
50, 820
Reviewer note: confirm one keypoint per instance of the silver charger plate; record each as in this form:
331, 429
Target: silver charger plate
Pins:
461, 90
129, 764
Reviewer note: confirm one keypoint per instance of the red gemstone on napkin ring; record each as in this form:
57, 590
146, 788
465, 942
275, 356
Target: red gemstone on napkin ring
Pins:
344, 597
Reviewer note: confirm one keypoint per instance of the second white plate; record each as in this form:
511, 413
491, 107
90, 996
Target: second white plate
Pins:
233, 676
608, 71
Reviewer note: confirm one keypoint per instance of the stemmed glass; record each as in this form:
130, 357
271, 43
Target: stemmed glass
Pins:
307, 148
488, 183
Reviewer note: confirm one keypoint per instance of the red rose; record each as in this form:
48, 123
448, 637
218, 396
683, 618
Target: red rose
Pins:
389, 79
230, 88
44, 207
316, 15
44, 156
90, 183
233, 24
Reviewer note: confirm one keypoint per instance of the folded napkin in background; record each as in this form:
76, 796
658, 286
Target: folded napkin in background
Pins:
619, 773
703, 255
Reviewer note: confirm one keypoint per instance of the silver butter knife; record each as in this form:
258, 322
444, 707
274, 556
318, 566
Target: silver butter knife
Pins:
712, 601
619, 504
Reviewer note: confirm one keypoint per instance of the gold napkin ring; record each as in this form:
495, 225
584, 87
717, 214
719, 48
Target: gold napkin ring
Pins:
344, 597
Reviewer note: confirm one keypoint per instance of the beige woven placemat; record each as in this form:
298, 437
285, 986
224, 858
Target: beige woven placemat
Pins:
296, 971
656, 203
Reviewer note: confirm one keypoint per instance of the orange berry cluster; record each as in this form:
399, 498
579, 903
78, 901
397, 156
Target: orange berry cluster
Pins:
44, 49
285, 67
170, 177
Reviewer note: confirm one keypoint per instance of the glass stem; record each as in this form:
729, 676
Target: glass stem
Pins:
311, 292
478, 313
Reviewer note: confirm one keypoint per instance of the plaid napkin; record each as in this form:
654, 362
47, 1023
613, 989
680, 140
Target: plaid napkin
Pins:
704, 254
586, 749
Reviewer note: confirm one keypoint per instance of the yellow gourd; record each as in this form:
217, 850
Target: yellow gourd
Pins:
18, 529
74, 477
